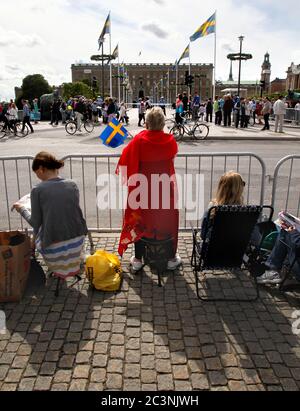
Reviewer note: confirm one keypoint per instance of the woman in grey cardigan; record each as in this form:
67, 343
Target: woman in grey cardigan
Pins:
56, 217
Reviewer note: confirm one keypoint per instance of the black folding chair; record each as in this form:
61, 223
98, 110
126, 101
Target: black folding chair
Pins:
225, 243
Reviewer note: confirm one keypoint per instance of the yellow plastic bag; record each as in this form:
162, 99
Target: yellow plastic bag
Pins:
104, 271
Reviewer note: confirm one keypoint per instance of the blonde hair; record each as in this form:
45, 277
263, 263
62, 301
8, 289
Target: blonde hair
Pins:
155, 119
230, 189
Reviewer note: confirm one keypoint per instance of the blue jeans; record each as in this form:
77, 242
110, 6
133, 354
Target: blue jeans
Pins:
283, 250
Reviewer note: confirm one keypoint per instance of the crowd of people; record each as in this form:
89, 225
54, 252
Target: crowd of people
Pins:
83, 108
231, 110
9, 115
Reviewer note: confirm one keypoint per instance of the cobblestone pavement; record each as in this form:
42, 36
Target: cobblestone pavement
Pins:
148, 338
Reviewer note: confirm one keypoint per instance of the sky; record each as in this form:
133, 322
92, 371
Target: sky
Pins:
46, 37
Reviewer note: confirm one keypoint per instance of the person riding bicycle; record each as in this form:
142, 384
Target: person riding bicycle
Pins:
80, 111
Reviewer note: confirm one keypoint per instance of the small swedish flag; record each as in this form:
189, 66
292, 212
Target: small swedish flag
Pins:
114, 135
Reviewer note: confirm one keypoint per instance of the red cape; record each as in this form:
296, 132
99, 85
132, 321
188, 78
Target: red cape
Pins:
150, 152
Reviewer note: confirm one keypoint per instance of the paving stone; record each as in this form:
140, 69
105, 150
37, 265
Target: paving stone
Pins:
13, 376
163, 366
47, 368
217, 378
148, 376
83, 357
133, 356
98, 387
180, 372
274, 357
199, 382
165, 382
31, 370
268, 377
78, 385
149, 387
70, 348
81, 371
60, 387
233, 373
229, 360
183, 385
288, 384
237, 386
213, 364
98, 375
66, 361
9, 387
114, 382
115, 366
132, 371
26, 384
281, 371
62, 376
42, 383
148, 362
250, 376
209, 351
20, 361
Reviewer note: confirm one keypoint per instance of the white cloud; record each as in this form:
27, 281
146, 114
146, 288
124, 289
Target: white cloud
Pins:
155, 29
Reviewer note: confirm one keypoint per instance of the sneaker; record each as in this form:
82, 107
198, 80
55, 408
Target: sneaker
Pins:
136, 264
269, 277
173, 264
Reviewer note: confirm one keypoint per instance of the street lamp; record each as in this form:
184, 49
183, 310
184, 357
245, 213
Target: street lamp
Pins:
241, 38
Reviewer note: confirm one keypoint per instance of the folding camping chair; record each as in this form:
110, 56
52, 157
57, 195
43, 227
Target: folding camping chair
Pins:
289, 271
225, 243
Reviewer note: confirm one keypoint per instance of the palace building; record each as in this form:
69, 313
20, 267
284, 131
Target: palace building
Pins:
147, 80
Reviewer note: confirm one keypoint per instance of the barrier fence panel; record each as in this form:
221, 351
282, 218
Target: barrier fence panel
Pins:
16, 180
103, 196
286, 185
197, 179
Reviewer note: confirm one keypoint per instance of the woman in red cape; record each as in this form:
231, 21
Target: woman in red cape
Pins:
151, 207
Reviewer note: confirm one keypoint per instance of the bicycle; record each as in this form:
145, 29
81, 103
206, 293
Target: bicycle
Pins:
6, 129
71, 126
199, 131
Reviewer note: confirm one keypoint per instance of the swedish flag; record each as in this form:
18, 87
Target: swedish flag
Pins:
207, 28
114, 135
105, 30
185, 54
116, 52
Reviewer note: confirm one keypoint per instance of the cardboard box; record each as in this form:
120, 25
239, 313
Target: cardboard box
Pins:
14, 265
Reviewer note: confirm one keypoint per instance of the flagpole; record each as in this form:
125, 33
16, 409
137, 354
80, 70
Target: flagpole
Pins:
110, 68
190, 86
176, 86
215, 57
119, 80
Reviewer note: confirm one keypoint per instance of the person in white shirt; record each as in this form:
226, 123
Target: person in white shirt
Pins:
12, 115
279, 111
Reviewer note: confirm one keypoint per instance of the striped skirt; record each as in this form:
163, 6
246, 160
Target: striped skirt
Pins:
63, 258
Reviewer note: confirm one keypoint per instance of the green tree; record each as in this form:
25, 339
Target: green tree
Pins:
35, 85
76, 89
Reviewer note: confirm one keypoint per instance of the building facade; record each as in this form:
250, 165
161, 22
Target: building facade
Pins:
147, 80
293, 77
278, 85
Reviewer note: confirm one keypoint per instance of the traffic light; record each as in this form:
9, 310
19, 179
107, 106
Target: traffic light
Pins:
186, 78
262, 84
191, 79
94, 83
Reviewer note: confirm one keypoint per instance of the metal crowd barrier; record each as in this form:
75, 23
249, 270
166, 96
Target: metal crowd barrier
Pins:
17, 180
287, 177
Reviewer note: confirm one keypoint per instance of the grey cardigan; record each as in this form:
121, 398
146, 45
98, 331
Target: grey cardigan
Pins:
55, 207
